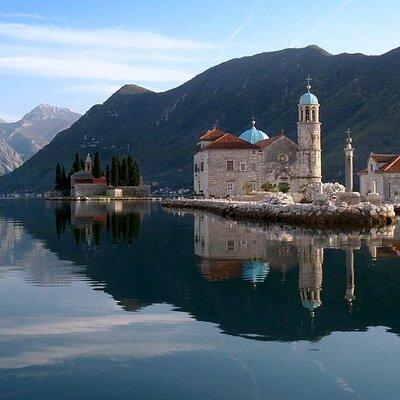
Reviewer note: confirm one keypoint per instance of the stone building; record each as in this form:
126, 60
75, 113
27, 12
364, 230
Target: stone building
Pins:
225, 164
84, 184
381, 176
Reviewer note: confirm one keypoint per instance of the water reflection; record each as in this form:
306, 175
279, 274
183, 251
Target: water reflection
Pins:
261, 282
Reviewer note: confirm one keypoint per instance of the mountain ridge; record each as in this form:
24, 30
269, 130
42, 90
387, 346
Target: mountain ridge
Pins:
160, 129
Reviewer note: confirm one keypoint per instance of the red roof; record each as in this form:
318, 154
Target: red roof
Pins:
391, 167
391, 163
267, 142
386, 158
229, 141
212, 135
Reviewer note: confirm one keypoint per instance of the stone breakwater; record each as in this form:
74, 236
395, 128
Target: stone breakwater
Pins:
361, 215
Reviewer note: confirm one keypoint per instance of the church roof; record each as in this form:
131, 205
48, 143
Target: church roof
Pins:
267, 142
229, 141
391, 163
308, 98
88, 159
211, 135
253, 135
82, 174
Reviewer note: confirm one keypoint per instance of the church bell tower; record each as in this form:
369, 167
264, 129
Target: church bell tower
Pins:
308, 163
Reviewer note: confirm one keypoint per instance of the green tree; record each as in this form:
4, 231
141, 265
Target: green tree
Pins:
58, 183
76, 166
82, 165
64, 182
284, 187
114, 172
124, 173
119, 168
97, 169
108, 175
136, 174
131, 170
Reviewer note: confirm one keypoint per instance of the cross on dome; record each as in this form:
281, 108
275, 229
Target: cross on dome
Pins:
308, 79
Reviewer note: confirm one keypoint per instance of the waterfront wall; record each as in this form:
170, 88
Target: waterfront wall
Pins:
362, 215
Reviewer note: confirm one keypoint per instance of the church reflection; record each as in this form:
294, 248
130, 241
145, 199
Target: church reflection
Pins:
230, 249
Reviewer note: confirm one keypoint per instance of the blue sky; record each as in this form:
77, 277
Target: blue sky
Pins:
76, 53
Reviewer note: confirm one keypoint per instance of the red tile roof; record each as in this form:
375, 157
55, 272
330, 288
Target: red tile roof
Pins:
392, 167
212, 135
379, 158
229, 141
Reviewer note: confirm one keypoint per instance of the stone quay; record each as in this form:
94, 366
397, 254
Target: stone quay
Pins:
363, 215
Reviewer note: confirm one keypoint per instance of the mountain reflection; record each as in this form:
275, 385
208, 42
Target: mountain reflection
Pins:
260, 282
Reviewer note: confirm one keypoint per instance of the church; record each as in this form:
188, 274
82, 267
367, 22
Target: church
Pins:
227, 165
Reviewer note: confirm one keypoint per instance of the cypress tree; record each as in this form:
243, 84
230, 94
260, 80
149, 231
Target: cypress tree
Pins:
119, 171
113, 171
130, 170
136, 174
108, 177
64, 183
97, 171
76, 166
124, 173
82, 165
57, 182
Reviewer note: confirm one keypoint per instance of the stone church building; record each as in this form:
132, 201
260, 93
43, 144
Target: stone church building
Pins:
225, 163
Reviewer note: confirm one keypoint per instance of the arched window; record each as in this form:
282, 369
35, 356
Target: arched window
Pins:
313, 114
301, 115
307, 114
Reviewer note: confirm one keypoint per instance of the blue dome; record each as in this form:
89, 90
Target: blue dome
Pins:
253, 135
311, 304
308, 98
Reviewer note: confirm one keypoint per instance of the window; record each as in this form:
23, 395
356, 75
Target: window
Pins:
282, 158
195, 167
253, 186
302, 115
307, 114
372, 167
243, 166
229, 165
231, 245
202, 166
230, 187
254, 167
313, 114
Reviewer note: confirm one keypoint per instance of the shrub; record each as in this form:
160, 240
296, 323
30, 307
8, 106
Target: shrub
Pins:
284, 187
269, 187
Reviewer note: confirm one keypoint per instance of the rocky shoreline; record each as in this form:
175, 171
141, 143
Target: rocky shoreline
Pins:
365, 215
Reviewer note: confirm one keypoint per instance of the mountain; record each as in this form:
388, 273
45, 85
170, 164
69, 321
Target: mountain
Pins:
37, 128
160, 129
9, 158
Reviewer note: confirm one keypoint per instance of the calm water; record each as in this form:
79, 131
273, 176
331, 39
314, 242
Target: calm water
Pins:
127, 301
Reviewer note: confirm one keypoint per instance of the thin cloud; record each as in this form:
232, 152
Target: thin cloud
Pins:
322, 23
21, 15
89, 69
100, 38
243, 25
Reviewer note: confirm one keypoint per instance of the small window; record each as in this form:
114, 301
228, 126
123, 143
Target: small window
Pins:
230, 187
313, 114
202, 166
302, 115
231, 245
307, 114
254, 167
195, 167
229, 165
243, 166
253, 186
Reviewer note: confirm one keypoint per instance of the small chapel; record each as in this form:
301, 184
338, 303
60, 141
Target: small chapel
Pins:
225, 164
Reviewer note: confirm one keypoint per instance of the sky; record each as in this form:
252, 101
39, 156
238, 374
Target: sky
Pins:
76, 53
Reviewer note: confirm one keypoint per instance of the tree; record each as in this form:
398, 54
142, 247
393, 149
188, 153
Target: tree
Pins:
119, 168
124, 173
82, 165
108, 175
114, 172
136, 174
58, 183
131, 170
64, 182
76, 166
97, 170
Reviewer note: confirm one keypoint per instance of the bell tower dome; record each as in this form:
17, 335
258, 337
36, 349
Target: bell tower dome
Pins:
308, 165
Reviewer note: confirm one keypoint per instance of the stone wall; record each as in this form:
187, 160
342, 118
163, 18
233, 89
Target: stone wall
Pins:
135, 191
218, 177
88, 190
